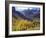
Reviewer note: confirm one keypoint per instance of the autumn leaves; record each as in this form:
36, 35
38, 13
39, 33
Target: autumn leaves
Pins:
20, 25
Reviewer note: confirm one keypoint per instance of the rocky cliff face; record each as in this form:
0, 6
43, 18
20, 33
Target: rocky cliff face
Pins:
28, 14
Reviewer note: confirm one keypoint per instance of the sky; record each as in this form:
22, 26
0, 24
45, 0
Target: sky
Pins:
23, 8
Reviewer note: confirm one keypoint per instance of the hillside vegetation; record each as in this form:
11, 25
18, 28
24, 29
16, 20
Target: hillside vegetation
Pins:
20, 25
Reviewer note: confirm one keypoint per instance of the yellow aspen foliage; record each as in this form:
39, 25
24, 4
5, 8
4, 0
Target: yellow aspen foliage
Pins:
21, 24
